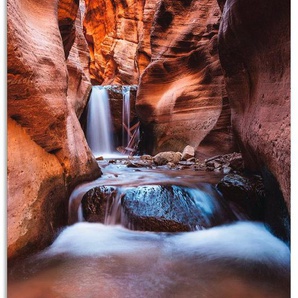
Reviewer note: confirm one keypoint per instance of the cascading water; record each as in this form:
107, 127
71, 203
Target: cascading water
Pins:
99, 131
242, 260
99, 128
125, 115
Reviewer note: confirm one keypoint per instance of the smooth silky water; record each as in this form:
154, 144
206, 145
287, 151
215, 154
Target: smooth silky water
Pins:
99, 130
125, 115
241, 259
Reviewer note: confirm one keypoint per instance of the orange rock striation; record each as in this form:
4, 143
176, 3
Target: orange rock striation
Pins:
47, 151
181, 99
254, 46
114, 31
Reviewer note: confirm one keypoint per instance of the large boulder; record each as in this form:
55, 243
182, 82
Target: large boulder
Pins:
171, 208
47, 152
163, 158
248, 197
254, 48
160, 208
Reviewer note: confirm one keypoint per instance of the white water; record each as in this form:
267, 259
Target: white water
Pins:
241, 260
93, 260
125, 115
99, 131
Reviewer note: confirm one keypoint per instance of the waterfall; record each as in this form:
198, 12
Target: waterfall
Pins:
99, 131
130, 127
125, 115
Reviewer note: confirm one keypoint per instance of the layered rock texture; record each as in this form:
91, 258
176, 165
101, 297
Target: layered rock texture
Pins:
181, 98
47, 152
254, 47
117, 35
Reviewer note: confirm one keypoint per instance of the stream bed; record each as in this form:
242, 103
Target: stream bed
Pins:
95, 260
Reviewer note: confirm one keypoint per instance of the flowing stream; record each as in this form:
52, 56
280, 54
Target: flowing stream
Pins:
95, 260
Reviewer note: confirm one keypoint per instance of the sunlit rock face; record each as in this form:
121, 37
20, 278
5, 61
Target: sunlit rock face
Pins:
254, 47
181, 99
117, 33
47, 152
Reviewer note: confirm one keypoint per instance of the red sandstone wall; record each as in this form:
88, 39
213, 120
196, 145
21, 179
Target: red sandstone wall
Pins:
115, 32
254, 49
181, 92
47, 151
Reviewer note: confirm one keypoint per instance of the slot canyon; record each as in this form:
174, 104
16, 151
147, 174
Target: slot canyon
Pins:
213, 76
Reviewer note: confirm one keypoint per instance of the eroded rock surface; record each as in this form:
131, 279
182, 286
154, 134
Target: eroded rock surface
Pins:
97, 203
181, 98
254, 47
48, 154
36, 204
115, 34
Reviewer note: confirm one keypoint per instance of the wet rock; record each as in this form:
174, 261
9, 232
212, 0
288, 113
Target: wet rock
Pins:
237, 164
163, 158
171, 209
96, 203
225, 163
186, 163
188, 152
191, 159
146, 157
226, 169
139, 164
245, 195
171, 165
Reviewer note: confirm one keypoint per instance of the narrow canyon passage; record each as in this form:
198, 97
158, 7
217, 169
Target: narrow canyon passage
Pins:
148, 149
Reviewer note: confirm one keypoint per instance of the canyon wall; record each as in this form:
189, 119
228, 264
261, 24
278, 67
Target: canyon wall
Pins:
47, 91
254, 47
181, 99
114, 30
